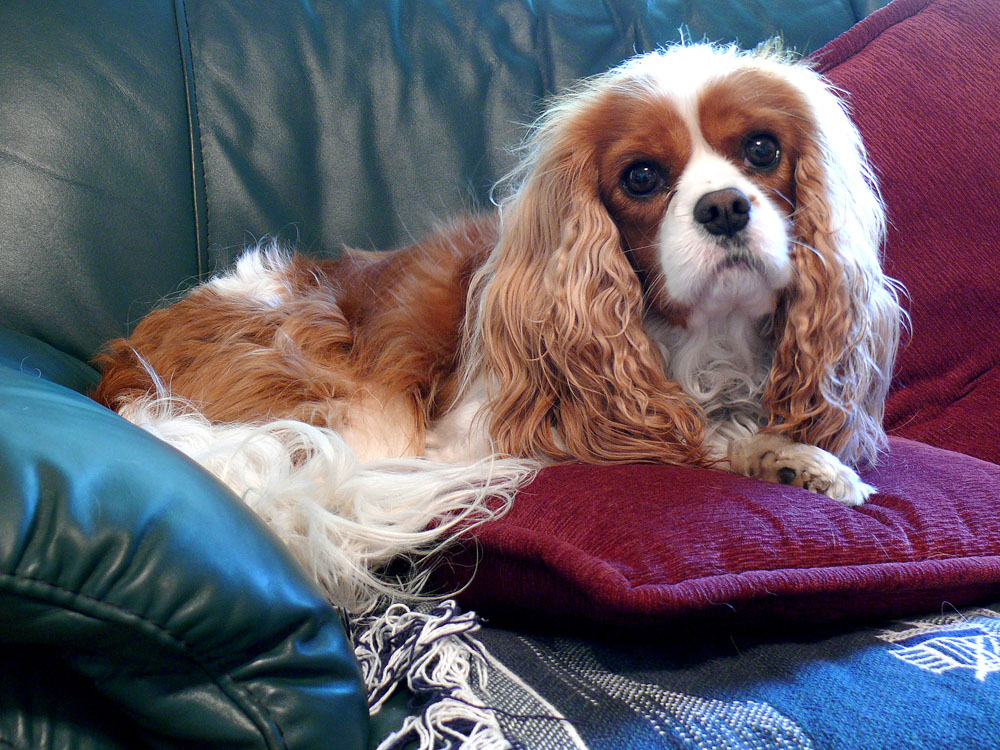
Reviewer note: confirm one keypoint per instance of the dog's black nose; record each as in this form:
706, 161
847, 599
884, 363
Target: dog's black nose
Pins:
723, 212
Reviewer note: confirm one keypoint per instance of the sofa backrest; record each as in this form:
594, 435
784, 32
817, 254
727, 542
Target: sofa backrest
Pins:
144, 144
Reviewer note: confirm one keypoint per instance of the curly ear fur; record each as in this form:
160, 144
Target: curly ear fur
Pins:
839, 324
556, 316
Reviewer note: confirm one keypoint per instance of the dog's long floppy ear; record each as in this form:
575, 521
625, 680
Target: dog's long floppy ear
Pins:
839, 324
557, 318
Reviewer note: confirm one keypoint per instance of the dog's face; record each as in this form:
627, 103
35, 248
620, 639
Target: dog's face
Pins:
700, 180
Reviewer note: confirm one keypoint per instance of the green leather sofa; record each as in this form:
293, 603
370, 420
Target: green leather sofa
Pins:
142, 145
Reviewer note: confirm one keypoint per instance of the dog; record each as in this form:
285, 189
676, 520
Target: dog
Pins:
684, 268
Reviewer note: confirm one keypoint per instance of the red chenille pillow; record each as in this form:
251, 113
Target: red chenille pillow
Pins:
644, 545
641, 544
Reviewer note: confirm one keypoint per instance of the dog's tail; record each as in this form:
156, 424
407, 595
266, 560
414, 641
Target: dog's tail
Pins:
345, 522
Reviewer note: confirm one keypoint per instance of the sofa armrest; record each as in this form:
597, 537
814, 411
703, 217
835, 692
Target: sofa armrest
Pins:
156, 590
33, 357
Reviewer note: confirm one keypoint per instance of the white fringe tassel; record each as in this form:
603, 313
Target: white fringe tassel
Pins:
435, 656
343, 521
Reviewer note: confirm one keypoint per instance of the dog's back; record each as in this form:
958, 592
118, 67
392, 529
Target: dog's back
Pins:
367, 344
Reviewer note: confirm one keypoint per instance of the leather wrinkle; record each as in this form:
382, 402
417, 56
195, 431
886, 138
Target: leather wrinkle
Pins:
199, 179
241, 696
52, 173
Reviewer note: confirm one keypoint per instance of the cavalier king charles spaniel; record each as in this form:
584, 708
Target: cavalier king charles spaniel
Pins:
684, 269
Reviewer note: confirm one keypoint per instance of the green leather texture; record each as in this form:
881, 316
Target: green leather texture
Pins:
143, 144
383, 117
96, 209
46, 706
33, 357
138, 576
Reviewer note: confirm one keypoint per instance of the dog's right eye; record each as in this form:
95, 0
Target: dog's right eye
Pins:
642, 179
762, 151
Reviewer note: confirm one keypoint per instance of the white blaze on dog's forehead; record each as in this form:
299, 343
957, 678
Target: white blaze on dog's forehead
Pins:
689, 259
259, 276
681, 73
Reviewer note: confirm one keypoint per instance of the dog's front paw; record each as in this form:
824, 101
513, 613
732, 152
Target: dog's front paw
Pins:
775, 458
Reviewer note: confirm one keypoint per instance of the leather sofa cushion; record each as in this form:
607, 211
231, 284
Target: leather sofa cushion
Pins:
144, 579
144, 144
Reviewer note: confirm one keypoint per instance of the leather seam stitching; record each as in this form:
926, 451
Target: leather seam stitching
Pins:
199, 176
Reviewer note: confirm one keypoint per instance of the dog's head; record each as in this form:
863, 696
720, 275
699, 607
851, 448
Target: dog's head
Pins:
694, 183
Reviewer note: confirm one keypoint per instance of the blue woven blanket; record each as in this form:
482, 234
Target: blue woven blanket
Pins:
926, 682
930, 682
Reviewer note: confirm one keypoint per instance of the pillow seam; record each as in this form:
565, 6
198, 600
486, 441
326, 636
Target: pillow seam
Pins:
823, 67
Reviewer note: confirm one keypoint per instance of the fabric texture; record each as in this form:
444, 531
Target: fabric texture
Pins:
929, 682
641, 544
922, 79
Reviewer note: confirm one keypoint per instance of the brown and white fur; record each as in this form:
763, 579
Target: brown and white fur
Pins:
685, 269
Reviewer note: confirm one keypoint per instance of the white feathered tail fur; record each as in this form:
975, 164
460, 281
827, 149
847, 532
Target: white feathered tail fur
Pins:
342, 520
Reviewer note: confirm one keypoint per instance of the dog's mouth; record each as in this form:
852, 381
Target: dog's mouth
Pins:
741, 259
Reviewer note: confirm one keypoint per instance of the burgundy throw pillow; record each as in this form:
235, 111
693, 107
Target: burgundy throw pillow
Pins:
922, 78
646, 544
643, 545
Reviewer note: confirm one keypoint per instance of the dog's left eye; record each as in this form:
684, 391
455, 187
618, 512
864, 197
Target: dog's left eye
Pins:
762, 151
642, 179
